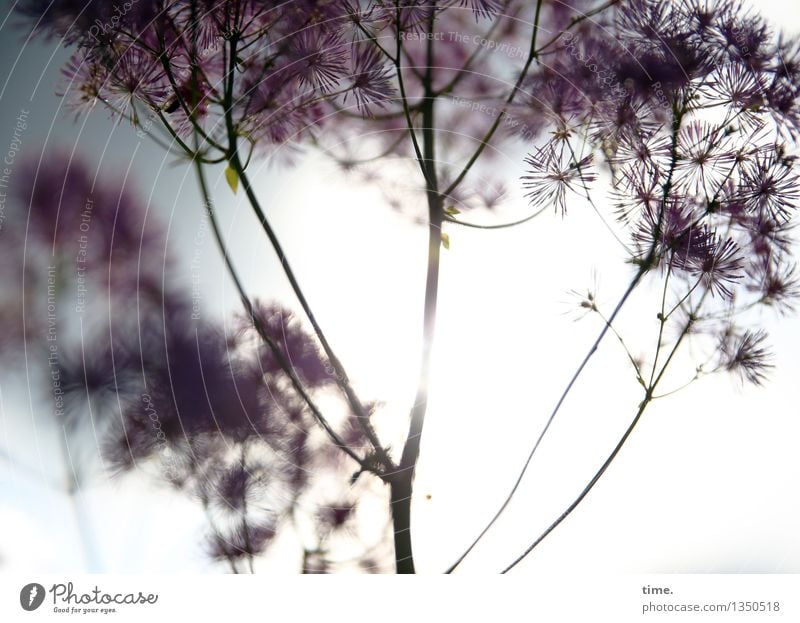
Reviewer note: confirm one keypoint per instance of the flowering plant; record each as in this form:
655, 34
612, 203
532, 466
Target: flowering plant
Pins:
687, 112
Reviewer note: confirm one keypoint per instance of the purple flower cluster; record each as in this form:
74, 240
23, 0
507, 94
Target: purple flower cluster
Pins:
171, 60
693, 108
277, 74
212, 412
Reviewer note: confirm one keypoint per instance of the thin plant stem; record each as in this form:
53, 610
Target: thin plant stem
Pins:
662, 320
628, 353
402, 479
245, 525
261, 330
640, 411
586, 489
75, 494
466, 68
340, 374
404, 100
496, 124
576, 375
530, 217
644, 267
648, 398
575, 21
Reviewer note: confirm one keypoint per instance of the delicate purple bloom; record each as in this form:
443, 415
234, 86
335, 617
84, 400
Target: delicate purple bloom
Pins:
241, 541
738, 88
644, 150
672, 233
703, 160
747, 355
135, 75
483, 8
772, 187
778, 286
551, 172
295, 345
335, 517
638, 191
321, 59
84, 84
720, 265
372, 85
768, 239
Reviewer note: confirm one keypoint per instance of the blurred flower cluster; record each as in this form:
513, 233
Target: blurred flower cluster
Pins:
92, 297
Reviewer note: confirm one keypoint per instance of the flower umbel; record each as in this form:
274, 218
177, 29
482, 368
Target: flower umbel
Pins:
551, 172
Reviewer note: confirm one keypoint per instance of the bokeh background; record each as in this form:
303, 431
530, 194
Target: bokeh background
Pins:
707, 483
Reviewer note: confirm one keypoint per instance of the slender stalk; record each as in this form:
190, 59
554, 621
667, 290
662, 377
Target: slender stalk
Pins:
342, 379
656, 373
575, 21
628, 353
577, 163
404, 100
351, 162
488, 137
75, 495
648, 398
402, 480
644, 266
642, 406
587, 488
466, 68
245, 525
530, 217
260, 329
576, 375
662, 321
212, 524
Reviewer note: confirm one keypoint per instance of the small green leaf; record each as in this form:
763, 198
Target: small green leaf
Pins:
445, 240
452, 210
232, 178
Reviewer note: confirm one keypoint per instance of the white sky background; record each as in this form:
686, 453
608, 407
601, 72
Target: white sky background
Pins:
707, 482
